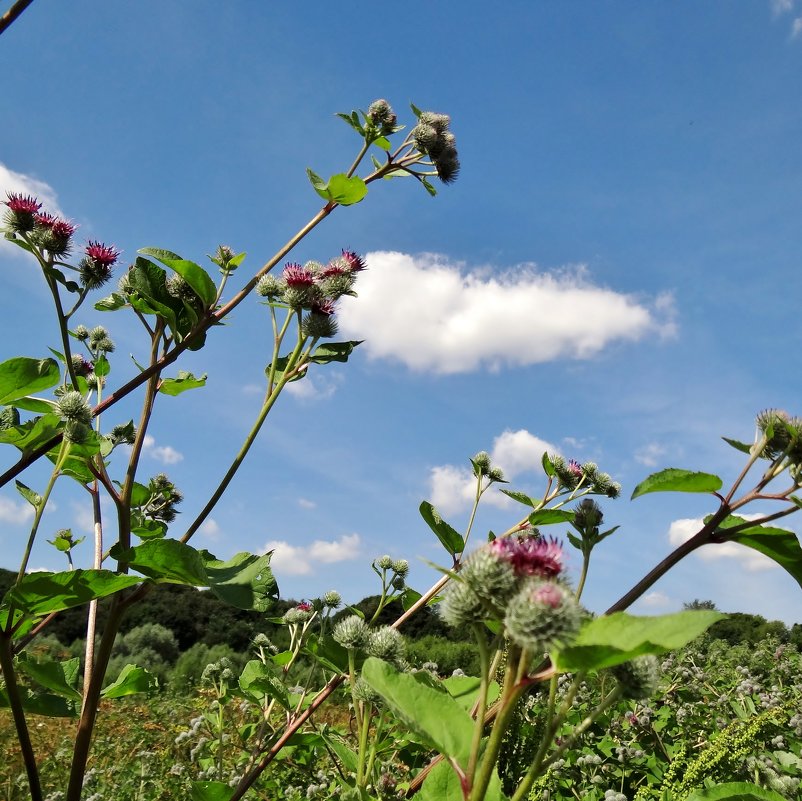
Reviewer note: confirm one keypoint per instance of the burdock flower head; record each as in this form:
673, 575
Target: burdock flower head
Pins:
20, 215
301, 289
432, 136
299, 614
320, 322
95, 266
530, 555
52, 234
543, 615
381, 114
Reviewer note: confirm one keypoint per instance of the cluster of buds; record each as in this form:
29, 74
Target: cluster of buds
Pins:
24, 217
382, 117
517, 581
383, 642
432, 137
314, 288
302, 613
482, 468
573, 476
164, 497
398, 568
73, 408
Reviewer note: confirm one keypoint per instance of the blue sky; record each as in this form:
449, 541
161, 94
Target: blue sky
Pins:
614, 275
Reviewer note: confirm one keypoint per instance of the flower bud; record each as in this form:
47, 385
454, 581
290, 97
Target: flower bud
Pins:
481, 463
496, 474
490, 576
81, 332
386, 643
352, 632
318, 326
639, 677
123, 434
298, 614
332, 599
365, 693
542, 616
384, 562
268, 286
76, 431
400, 567
461, 606
72, 406
9, 416
588, 515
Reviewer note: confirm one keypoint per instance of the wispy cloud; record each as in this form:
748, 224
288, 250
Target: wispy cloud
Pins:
654, 600
435, 315
650, 454
453, 488
313, 388
779, 7
301, 560
682, 530
211, 529
15, 511
305, 503
165, 454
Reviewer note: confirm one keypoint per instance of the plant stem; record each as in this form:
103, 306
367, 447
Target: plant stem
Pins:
18, 713
479, 722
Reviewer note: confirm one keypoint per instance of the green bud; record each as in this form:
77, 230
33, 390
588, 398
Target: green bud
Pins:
461, 606
639, 677
588, 515
352, 632
9, 416
81, 332
269, 286
76, 431
496, 474
104, 345
384, 562
400, 567
73, 407
97, 333
541, 616
491, 577
481, 463
365, 693
386, 643
318, 326
332, 599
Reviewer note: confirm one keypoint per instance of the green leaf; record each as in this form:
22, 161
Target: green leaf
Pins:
674, 480
346, 191
209, 791
735, 791
415, 110
465, 690
60, 677
112, 302
353, 121
43, 593
33, 498
545, 517
181, 383
102, 366
436, 718
347, 756
409, 598
200, 281
132, 680
22, 376
383, 142
452, 541
548, 465
31, 404
258, 681
739, 446
443, 784
617, 638
778, 544
334, 351
37, 703
319, 185
29, 436
244, 581
521, 497
427, 185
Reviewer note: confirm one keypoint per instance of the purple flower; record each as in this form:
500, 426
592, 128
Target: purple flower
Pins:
25, 204
355, 263
531, 556
103, 255
297, 277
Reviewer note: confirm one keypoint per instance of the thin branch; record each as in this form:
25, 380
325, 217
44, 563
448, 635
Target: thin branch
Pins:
12, 13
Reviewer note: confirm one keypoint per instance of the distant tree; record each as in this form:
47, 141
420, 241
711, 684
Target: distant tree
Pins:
697, 604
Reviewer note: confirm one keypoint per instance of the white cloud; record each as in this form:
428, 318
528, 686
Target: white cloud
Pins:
796, 27
433, 314
15, 511
305, 503
11, 181
655, 600
301, 560
779, 7
452, 488
165, 454
682, 530
649, 454
211, 529
309, 388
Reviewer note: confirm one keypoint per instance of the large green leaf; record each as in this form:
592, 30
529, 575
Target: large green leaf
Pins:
43, 593
436, 718
617, 638
37, 703
546, 517
132, 680
778, 544
244, 581
258, 681
209, 791
29, 436
465, 690
60, 677
334, 351
443, 784
674, 480
450, 538
192, 273
23, 376
339, 188
181, 383
735, 791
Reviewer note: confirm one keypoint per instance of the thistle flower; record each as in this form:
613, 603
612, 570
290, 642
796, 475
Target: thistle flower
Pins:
81, 366
52, 234
381, 114
72, 406
298, 614
352, 632
319, 324
461, 606
95, 267
297, 277
21, 212
355, 262
542, 616
530, 555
